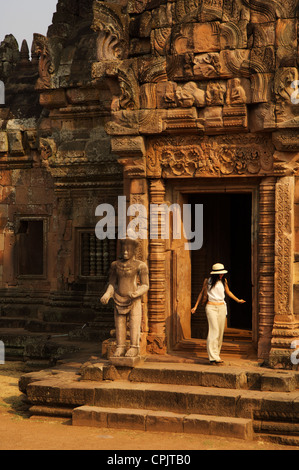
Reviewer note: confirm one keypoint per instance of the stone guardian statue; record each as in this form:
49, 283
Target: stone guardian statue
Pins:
128, 282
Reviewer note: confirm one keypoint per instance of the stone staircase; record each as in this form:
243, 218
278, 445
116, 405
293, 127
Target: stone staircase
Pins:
245, 402
47, 333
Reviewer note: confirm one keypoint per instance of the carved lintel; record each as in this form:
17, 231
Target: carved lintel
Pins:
203, 156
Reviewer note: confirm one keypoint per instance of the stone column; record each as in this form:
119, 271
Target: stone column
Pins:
285, 328
266, 265
157, 293
131, 151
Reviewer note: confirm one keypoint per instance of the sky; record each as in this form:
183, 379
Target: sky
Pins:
22, 18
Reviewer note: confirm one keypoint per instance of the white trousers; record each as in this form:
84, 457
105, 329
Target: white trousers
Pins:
216, 315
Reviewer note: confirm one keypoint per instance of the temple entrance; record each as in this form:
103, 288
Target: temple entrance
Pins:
227, 240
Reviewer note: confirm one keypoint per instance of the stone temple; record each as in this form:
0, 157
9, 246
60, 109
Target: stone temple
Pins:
163, 102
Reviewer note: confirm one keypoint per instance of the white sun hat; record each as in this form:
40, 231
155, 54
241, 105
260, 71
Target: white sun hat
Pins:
218, 268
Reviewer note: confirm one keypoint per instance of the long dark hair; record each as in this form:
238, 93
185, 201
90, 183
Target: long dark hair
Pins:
215, 278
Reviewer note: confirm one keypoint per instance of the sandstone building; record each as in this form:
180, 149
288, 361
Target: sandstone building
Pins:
187, 102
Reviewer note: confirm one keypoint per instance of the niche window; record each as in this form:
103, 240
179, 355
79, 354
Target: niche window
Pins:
30, 248
96, 255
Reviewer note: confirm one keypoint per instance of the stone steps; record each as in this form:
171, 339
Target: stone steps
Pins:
242, 402
162, 421
240, 348
217, 376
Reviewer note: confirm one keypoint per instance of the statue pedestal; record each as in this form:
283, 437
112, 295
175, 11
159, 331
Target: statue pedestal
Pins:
126, 361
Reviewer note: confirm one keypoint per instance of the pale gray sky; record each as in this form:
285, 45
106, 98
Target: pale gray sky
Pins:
22, 18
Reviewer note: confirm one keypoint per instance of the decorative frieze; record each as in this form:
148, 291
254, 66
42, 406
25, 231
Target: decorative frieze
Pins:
174, 157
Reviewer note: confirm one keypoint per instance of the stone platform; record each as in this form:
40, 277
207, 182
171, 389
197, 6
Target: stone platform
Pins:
238, 399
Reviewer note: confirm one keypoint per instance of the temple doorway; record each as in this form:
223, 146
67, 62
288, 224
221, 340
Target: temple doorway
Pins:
227, 239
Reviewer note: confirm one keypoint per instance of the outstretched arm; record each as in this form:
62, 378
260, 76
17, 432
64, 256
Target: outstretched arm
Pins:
193, 310
231, 295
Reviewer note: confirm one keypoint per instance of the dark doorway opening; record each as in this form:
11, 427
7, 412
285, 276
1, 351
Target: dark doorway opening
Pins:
31, 248
227, 224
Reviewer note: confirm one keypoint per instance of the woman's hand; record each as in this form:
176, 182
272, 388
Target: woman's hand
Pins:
193, 310
241, 301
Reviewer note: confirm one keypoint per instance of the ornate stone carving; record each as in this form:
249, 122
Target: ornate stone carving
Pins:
286, 42
287, 113
262, 59
156, 340
232, 35
263, 11
235, 92
205, 10
47, 149
160, 41
285, 328
283, 246
235, 63
40, 47
215, 93
261, 85
266, 265
196, 157
112, 27
190, 95
206, 65
120, 77
286, 140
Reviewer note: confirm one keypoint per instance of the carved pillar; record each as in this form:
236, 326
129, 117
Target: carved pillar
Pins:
285, 328
266, 265
131, 150
157, 293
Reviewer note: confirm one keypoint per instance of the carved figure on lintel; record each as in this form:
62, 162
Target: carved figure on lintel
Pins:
215, 94
124, 289
235, 92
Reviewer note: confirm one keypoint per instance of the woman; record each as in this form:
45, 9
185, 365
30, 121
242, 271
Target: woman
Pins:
213, 294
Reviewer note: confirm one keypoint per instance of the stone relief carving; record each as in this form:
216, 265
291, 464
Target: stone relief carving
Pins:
287, 113
217, 157
284, 251
189, 95
48, 150
40, 47
112, 28
235, 92
215, 93
206, 65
